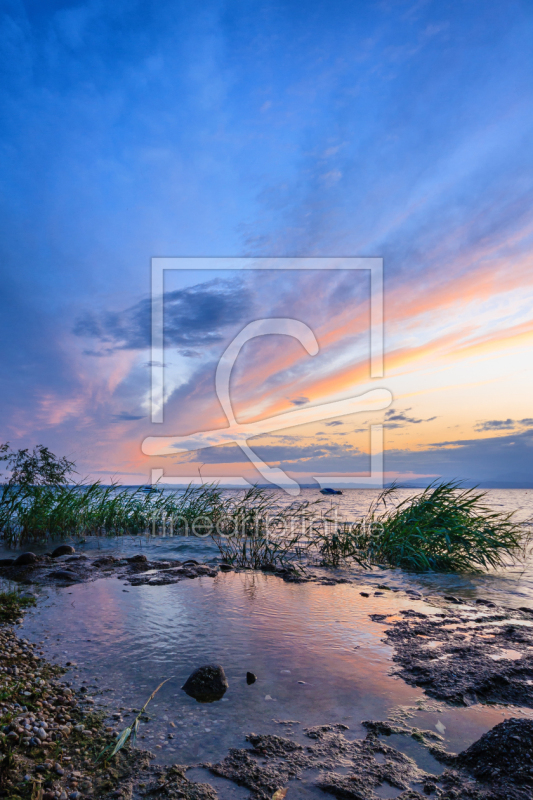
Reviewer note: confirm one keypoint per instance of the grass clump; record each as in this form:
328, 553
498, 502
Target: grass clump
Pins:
252, 532
444, 528
11, 605
42, 512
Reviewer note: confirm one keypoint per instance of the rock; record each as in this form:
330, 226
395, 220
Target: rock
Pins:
104, 561
6, 562
62, 575
452, 599
138, 559
226, 568
206, 684
364, 594
63, 550
25, 559
505, 752
191, 562
250, 678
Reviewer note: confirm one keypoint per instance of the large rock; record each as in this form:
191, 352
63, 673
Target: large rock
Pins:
63, 550
503, 753
206, 684
25, 559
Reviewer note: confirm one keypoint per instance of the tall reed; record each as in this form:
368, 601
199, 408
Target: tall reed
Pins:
38, 513
444, 528
255, 532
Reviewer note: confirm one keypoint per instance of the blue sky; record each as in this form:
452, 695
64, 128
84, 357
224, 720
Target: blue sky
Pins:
392, 129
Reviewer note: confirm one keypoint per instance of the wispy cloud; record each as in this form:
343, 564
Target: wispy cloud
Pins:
397, 419
504, 424
124, 416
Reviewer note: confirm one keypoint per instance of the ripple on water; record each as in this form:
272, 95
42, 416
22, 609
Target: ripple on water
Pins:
318, 656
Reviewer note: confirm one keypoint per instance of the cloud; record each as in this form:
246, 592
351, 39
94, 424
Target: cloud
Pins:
193, 317
501, 460
504, 424
334, 423
279, 453
300, 401
397, 419
123, 416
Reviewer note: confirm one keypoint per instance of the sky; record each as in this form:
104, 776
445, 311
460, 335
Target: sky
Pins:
267, 131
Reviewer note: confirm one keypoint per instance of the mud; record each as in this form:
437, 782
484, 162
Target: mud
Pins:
358, 769
274, 760
467, 656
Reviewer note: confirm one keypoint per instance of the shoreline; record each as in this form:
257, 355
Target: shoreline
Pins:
458, 669
54, 736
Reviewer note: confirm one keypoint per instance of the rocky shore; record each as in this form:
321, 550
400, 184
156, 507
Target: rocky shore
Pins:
51, 737
63, 567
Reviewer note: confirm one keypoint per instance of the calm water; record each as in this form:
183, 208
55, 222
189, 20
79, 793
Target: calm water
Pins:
317, 655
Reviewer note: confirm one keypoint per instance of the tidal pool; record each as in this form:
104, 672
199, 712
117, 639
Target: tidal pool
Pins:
317, 655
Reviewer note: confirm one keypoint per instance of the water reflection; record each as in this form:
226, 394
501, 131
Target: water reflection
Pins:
317, 655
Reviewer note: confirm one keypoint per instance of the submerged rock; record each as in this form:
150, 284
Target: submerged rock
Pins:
250, 678
207, 684
63, 550
138, 559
